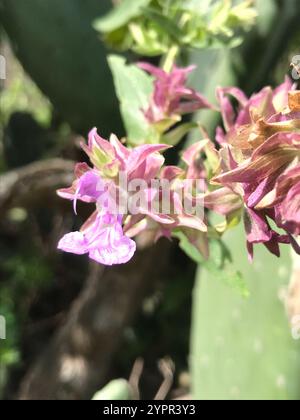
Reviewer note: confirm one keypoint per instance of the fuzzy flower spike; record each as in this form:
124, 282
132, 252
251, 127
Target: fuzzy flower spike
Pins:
102, 236
260, 163
171, 97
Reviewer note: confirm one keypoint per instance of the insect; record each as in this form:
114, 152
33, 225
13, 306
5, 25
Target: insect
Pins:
295, 65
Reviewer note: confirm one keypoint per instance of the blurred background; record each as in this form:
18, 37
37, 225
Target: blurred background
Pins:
73, 326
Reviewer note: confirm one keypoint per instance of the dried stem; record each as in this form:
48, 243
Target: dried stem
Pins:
30, 184
135, 376
166, 367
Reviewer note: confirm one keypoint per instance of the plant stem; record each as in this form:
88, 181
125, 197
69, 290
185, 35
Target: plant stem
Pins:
170, 58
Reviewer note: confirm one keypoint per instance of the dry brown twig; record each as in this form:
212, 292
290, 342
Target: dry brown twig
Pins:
134, 379
166, 367
30, 184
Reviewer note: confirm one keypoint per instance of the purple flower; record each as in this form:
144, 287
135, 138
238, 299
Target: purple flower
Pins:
112, 157
192, 157
248, 128
87, 188
103, 239
257, 230
285, 197
171, 97
260, 152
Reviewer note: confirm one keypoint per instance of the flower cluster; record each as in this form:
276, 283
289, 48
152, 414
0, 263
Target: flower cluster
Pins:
171, 97
251, 172
153, 198
259, 164
102, 236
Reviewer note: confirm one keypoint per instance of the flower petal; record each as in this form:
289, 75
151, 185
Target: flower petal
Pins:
74, 243
113, 247
89, 188
223, 201
257, 229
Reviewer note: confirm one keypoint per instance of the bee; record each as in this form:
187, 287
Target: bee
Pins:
295, 66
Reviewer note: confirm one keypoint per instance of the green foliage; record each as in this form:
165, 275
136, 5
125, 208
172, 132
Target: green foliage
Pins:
22, 94
220, 264
24, 275
243, 349
240, 348
121, 15
152, 27
118, 389
60, 50
133, 87
27, 271
9, 354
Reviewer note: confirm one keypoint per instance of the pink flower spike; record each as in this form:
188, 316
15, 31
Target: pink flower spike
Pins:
112, 157
171, 97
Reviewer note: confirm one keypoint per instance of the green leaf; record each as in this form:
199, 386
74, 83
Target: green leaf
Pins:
222, 267
118, 389
134, 88
173, 137
120, 15
244, 349
152, 27
119, 40
219, 265
165, 22
198, 6
148, 43
189, 249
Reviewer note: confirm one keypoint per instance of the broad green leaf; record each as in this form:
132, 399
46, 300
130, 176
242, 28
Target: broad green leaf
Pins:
118, 389
222, 267
120, 16
219, 265
244, 349
134, 88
